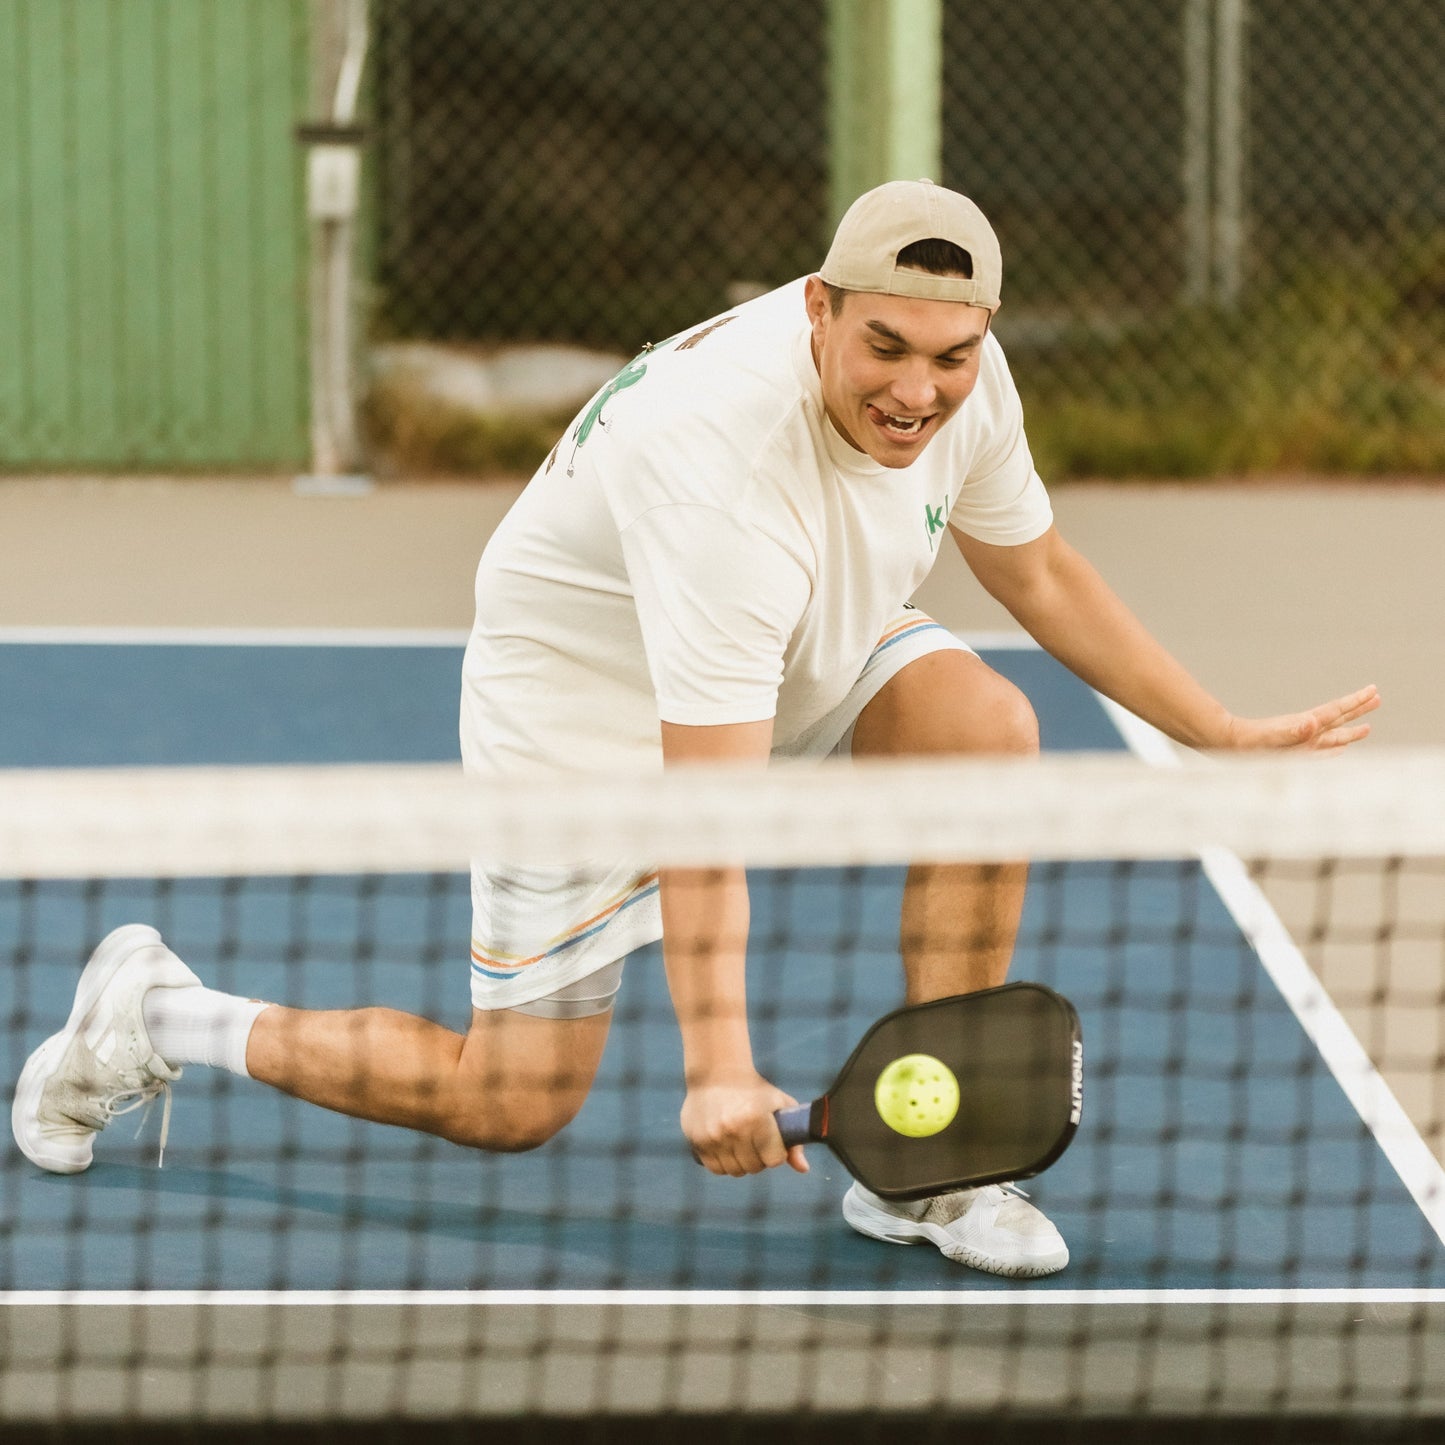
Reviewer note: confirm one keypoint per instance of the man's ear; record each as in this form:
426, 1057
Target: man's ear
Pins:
818, 303
815, 294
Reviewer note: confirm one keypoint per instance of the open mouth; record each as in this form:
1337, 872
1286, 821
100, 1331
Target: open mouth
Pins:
901, 427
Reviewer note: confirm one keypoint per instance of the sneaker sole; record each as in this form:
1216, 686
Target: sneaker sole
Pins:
892, 1230
110, 953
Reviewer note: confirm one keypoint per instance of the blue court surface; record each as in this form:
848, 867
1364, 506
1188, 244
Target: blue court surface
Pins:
1217, 1152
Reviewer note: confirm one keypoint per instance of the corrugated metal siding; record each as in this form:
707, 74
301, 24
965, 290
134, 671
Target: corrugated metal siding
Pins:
152, 289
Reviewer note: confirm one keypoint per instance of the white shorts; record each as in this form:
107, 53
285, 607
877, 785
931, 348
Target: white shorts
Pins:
538, 932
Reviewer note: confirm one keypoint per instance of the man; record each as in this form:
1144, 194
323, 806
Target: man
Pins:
712, 564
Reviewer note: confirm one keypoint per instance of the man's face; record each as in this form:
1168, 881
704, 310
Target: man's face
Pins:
894, 368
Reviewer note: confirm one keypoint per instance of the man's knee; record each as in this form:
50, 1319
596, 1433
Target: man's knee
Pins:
521, 1079
1005, 720
491, 1135
948, 702
504, 1121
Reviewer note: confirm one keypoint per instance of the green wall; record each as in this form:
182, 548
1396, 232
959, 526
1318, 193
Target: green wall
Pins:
152, 234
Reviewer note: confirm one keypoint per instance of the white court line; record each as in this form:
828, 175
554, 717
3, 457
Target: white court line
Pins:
959, 1298
1326, 1026
337, 637
236, 636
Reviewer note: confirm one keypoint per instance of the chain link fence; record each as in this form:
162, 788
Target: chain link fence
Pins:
591, 172
1223, 220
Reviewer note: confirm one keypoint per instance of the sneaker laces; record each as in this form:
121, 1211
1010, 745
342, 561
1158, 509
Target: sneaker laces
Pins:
127, 1101
946, 1208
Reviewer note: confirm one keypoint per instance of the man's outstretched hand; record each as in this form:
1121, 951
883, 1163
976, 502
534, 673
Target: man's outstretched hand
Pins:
1330, 725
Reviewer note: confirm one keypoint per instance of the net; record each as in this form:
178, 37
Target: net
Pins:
1253, 1206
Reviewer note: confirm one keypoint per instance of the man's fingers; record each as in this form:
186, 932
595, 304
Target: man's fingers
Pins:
728, 1163
1340, 738
1330, 725
1339, 725
1347, 709
740, 1156
1337, 737
732, 1128
716, 1161
771, 1149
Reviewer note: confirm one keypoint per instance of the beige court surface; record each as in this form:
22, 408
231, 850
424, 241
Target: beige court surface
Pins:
1277, 595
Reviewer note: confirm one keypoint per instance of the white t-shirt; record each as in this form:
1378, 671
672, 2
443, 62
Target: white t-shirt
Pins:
703, 547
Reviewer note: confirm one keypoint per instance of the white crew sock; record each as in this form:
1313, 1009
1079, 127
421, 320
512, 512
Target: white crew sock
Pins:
198, 1025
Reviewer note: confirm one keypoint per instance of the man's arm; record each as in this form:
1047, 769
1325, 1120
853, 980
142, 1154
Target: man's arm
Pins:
727, 1115
1071, 611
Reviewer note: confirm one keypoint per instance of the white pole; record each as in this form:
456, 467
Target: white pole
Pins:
1198, 237
1230, 145
333, 184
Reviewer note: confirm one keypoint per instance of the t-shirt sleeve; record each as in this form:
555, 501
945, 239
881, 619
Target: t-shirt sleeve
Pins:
717, 601
1002, 499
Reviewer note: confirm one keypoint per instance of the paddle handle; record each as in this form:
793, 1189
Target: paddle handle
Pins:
802, 1122
798, 1125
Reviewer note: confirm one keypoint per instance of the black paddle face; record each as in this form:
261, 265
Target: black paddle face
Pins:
1017, 1053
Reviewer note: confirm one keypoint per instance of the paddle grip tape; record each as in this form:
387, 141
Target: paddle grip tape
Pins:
803, 1122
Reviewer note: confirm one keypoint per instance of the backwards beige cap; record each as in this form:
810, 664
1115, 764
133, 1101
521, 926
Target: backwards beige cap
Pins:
881, 222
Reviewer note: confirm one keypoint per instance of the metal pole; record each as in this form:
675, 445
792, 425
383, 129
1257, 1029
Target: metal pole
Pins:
1198, 231
885, 94
915, 89
847, 120
1230, 145
333, 170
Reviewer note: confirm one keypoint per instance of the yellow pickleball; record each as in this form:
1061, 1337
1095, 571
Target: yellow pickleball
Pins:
917, 1095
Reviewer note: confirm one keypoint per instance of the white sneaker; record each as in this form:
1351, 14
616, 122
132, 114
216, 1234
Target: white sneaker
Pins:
994, 1228
101, 1063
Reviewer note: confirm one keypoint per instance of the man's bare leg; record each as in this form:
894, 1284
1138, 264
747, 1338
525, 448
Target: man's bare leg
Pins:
510, 1083
959, 920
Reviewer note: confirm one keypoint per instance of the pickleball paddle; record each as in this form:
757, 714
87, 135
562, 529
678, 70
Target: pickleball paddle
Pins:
1016, 1054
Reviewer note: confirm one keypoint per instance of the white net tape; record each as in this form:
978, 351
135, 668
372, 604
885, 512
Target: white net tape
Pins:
183, 822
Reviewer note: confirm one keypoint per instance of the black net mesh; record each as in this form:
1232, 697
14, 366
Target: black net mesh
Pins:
1253, 1207
601, 174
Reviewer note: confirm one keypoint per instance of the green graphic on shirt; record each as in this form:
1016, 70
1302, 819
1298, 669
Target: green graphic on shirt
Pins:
630, 375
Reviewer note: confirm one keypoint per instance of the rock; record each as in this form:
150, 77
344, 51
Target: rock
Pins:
505, 381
